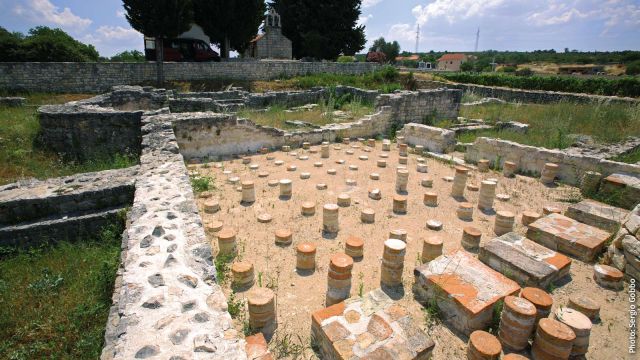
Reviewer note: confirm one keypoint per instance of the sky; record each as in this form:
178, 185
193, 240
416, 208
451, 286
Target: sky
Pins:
520, 25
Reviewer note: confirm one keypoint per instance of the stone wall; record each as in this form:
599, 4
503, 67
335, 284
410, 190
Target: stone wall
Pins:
529, 96
423, 105
70, 208
432, 138
624, 251
100, 77
531, 160
84, 132
206, 135
167, 303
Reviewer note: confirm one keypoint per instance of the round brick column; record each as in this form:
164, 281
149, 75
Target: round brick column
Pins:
581, 326
399, 204
549, 173
324, 150
504, 222
516, 323
393, 262
431, 248
243, 274
227, 241
330, 221
471, 237
402, 179
339, 278
306, 256
459, 182
553, 340
248, 192
529, 217
487, 195
509, 169
483, 346
262, 307
540, 299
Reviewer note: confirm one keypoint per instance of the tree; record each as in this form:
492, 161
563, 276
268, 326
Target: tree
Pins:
466, 66
390, 49
44, 44
322, 29
161, 19
231, 24
128, 56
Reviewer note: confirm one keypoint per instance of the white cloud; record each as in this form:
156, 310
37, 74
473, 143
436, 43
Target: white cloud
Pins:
370, 3
544, 18
363, 19
453, 10
110, 40
120, 14
402, 32
44, 11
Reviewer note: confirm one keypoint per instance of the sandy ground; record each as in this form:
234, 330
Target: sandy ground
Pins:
298, 296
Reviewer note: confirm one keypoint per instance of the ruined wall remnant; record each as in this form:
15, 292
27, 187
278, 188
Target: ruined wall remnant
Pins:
70, 208
432, 138
531, 160
423, 105
84, 132
167, 303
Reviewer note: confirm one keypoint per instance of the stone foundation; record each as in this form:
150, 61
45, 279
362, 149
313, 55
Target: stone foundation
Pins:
371, 327
432, 138
464, 289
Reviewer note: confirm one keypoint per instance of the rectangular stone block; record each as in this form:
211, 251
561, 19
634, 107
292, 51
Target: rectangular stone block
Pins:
563, 234
464, 289
524, 261
371, 327
622, 189
597, 214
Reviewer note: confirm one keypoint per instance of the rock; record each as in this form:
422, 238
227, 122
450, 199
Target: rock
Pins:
154, 302
156, 280
147, 352
158, 231
188, 280
203, 343
178, 336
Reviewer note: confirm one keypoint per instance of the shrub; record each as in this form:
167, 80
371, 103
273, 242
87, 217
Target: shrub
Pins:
346, 59
377, 56
633, 68
625, 86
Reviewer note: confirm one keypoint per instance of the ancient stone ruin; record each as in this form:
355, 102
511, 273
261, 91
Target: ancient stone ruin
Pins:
335, 233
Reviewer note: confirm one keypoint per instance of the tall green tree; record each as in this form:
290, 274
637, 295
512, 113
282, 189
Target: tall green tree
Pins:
44, 44
322, 29
161, 19
231, 24
390, 49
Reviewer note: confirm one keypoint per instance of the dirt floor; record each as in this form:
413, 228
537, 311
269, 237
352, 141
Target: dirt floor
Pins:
299, 296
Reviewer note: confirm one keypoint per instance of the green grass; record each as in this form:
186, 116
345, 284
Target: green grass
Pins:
386, 79
630, 158
276, 116
551, 124
20, 159
201, 184
54, 300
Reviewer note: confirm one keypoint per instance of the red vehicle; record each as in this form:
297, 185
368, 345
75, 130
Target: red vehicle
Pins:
181, 50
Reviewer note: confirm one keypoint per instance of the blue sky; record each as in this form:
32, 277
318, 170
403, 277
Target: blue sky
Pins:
444, 24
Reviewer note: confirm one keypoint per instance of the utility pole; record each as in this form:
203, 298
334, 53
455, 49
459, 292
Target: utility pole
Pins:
475, 50
417, 38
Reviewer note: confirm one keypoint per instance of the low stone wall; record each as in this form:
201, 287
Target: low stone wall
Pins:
432, 138
531, 160
100, 77
84, 132
166, 303
12, 101
529, 96
210, 135
624, 251
70, 208
418, 106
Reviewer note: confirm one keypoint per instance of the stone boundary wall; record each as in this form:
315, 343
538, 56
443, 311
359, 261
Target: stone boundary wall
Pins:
33, 212
206, 135
531, 160
418, 106
530, 96
84, 132
432, 138
100, 77
624, 251
167, 303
